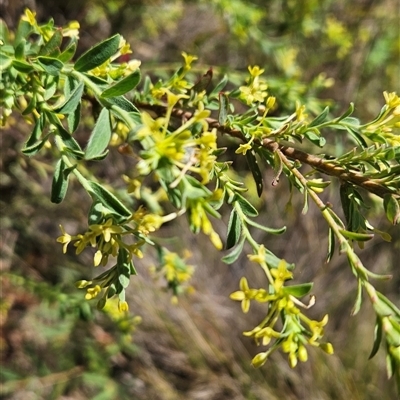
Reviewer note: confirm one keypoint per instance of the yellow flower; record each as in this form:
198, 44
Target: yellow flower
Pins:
91, 293
317, 329
260, 359
29, 17
65, 239
188, 59
107, 229
392, 100
245, 294
281, 274
123, 306
255, 71
259, 257
243, 148
72, 30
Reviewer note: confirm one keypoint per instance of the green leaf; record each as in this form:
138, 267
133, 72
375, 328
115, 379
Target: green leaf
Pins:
359, 237
122, 102
74, 118
5, 62
298, 290
377, 337
108, 200
235, 253
34, 143
123, 86
51, 65
59, 185
34, 148
331, 245
71, 103
98, 54
68, 53
71, 144
220, 85
320, 118
274, 231
123, 268
315, 138
23, 31
358, 302
357, 137
234, 230
347, 113
223, 108
22, 66
100, 136
392, 208
20, 50
51, 47
255, 170
247, 208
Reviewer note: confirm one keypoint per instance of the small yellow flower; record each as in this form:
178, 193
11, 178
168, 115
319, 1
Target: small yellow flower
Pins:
327, 348
91, 293
243, 148
65, 239
107, 229
123, 306
245, 294
259, 257
281, 274
98, 256
29, 17
72, 30
259, 360
188, 59
255, 71
317, 329
392, 100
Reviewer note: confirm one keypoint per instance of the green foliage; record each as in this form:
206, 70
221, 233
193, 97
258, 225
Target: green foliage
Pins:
168, 125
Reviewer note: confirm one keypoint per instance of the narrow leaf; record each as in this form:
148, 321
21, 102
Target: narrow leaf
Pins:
347, 113
359, 237
392, 208
234, 230
51, 65
53, 44
100, 136
108, 200
298, 290
377, 337
5, 62
220, 85
20, 66
71, 103
320, 118
331, 245
59, 185
123, 103
235, 253
255, 170
247, 208
123, 86
358, 302
223, 108
98, 54
71, 144
274, 231
68, 53
74, 118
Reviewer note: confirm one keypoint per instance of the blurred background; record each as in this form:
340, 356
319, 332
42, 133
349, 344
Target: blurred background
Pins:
53, 346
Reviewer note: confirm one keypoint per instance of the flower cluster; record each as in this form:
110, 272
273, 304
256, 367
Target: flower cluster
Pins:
297, 330
256, 90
